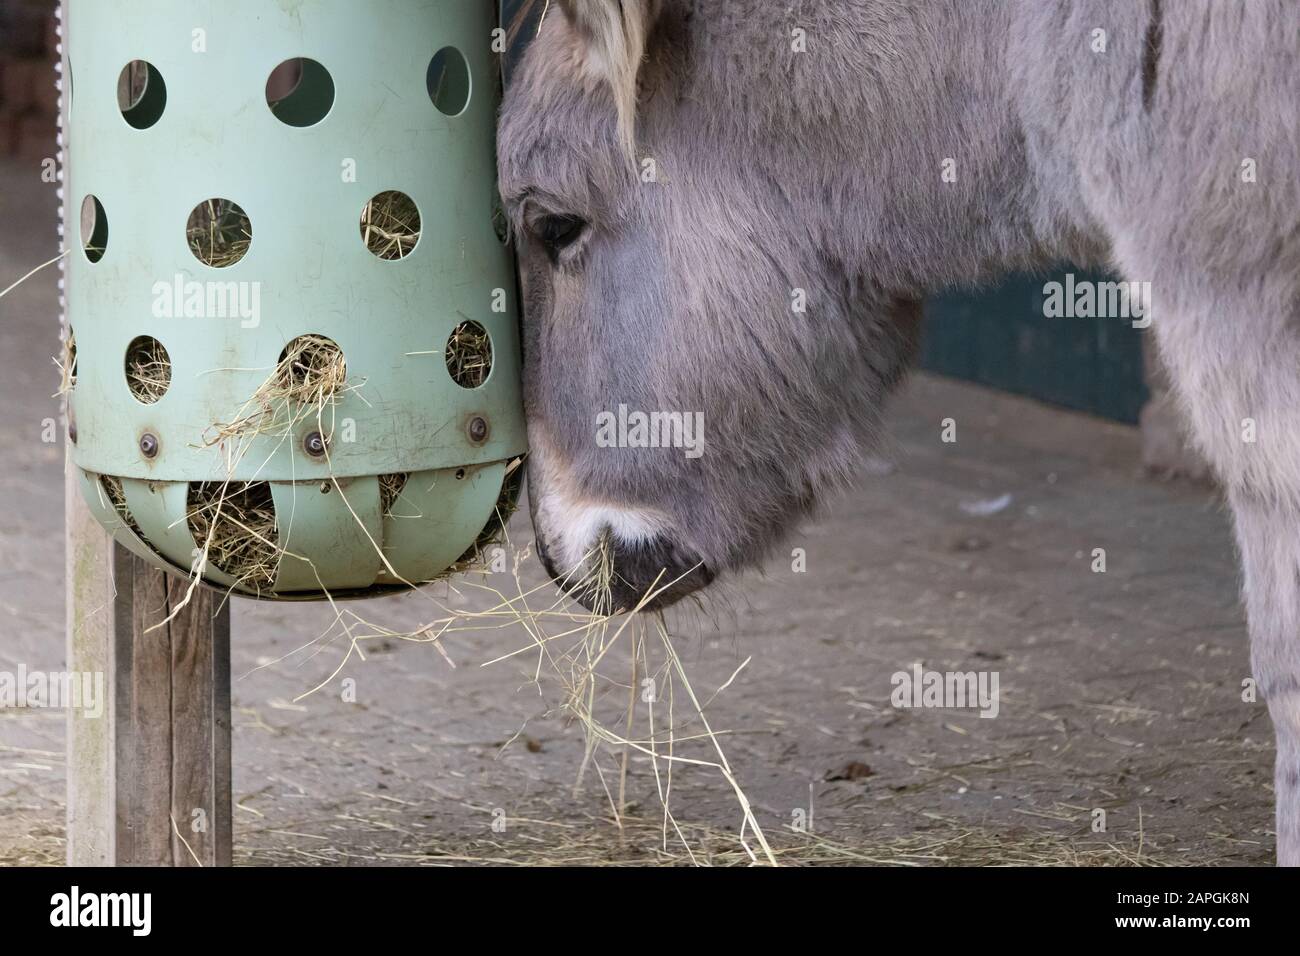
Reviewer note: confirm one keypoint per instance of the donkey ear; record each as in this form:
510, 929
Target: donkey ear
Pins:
613, 35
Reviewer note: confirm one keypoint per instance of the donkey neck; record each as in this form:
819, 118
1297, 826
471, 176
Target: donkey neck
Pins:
895, 135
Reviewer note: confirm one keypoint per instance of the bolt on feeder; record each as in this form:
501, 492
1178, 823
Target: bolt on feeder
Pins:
293, 359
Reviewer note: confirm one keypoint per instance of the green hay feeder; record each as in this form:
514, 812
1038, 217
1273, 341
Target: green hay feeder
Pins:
296, 337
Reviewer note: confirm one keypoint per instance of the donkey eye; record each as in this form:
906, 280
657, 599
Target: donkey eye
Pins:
557, 232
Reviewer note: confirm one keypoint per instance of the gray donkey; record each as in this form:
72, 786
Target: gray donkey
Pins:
683, 176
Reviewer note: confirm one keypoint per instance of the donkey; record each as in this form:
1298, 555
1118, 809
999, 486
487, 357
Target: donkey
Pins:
678, 174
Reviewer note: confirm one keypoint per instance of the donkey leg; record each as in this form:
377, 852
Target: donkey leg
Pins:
1170, 158
1268, 536
1235, 363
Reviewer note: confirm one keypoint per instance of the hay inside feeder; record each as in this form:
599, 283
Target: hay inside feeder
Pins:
219, 233
67, 364
116, 495
148, 369
390, 225
311, 371
390, 489
233, 524
469, 355
494, 531
310, 375
507, 504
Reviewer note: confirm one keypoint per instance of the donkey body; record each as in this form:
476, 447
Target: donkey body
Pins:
679, 173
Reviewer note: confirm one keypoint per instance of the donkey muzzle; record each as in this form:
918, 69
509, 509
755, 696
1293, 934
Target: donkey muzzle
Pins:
647, 575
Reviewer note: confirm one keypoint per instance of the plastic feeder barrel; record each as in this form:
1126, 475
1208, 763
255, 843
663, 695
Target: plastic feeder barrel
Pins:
222, 158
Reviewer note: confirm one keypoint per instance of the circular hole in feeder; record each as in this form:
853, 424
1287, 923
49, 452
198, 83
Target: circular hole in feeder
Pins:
390, 225
311, 371
300, 92
448, 81
233, 524
141, 94
219, 233
148, 369
94, 228
469, 355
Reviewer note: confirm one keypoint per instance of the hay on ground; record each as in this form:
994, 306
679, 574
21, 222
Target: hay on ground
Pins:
563, 837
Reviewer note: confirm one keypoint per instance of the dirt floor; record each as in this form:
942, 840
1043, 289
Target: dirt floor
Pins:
1119, 691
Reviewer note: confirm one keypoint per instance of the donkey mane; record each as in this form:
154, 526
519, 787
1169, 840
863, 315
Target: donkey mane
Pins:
615, 42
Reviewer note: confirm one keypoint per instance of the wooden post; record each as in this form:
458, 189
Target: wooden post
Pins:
149, 779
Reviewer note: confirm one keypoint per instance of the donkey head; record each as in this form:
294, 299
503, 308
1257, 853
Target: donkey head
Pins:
677, 293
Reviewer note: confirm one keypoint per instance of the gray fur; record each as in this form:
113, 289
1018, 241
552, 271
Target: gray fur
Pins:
821, 171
